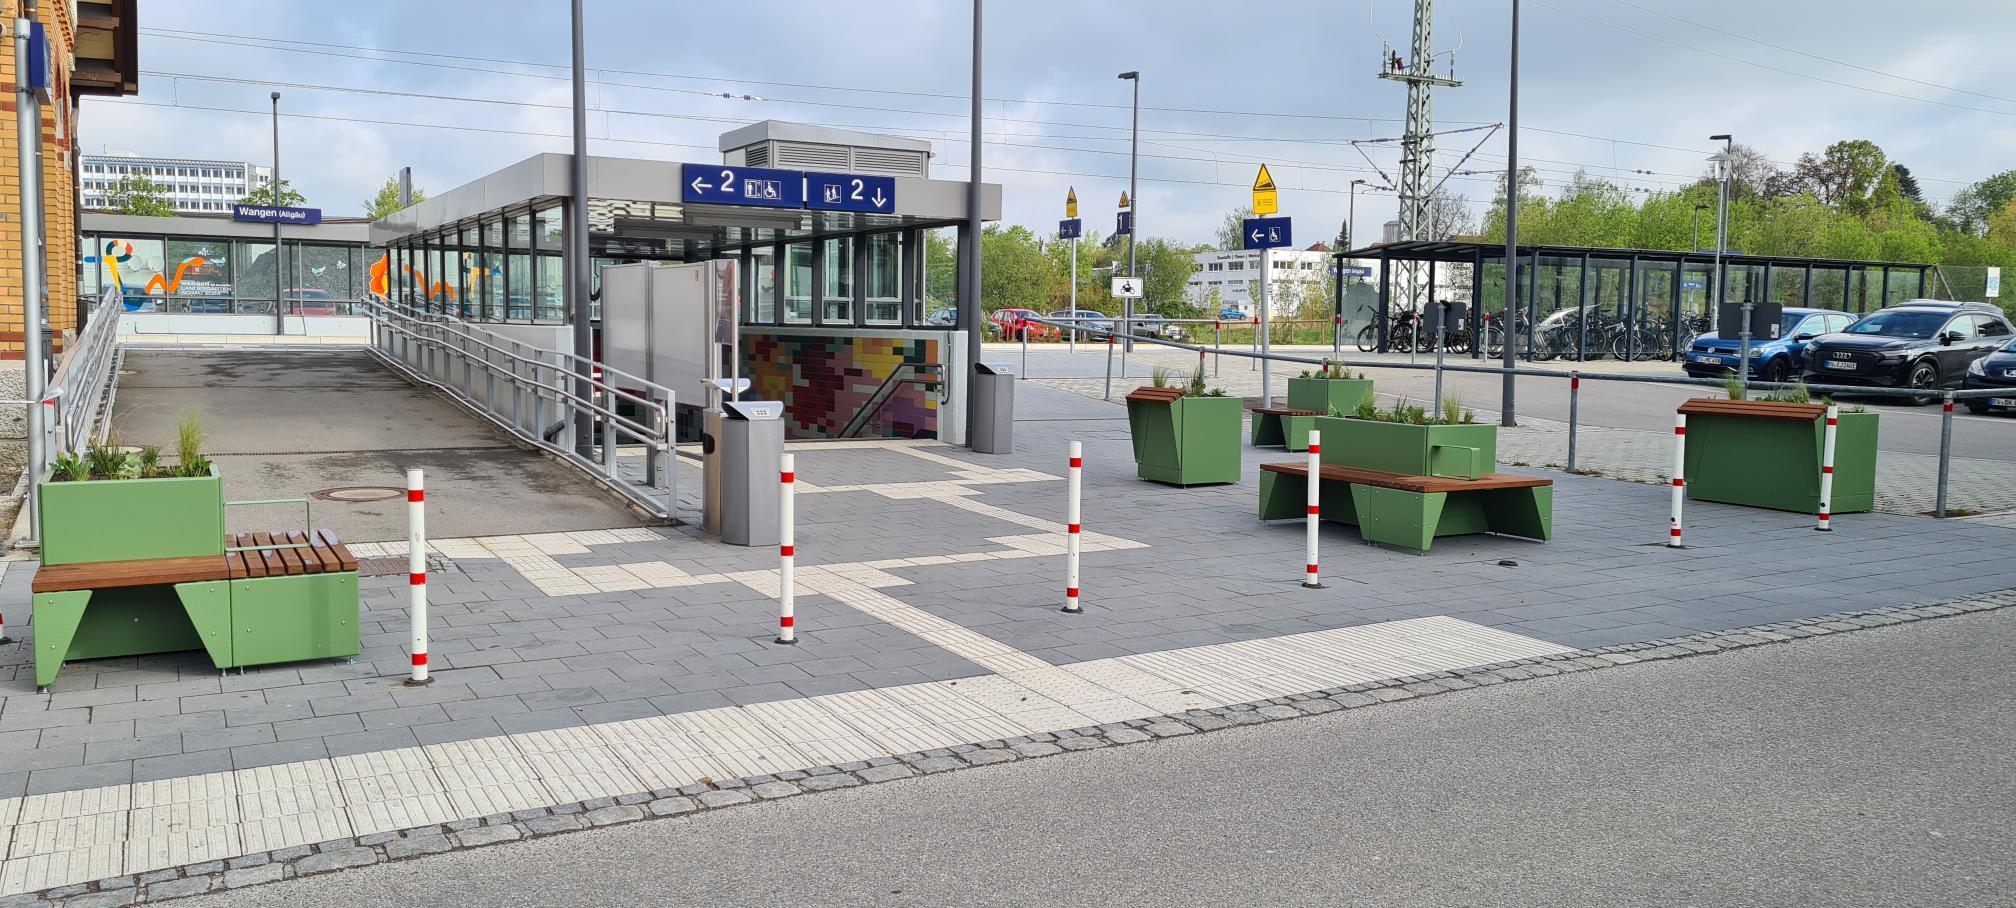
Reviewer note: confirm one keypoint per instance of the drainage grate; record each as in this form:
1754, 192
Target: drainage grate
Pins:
358, 493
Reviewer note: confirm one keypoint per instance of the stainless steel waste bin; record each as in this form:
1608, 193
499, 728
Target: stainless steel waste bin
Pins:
747, 443
993, 417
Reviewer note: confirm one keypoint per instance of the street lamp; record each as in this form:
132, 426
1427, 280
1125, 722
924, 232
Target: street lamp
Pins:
1506, 393
1133, 218
279, 323
1725, 164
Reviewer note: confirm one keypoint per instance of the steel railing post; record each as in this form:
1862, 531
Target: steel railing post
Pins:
787, 552
1825, 520
1945, 453
1574, 414
1072, 530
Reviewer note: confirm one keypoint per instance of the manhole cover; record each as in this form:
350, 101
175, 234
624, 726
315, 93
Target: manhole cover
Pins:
358, 493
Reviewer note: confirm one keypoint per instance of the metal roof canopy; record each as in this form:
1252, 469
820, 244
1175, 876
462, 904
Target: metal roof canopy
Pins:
1467, 253
634, 209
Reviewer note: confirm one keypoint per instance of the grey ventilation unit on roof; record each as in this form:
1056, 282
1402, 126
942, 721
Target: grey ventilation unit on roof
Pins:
799, 147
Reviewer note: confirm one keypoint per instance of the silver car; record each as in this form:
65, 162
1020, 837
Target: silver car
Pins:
1088, 321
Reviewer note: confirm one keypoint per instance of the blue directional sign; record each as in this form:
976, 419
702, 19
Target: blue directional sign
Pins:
850, 192
1123, 224
1268, 233
1353, 271
1073, 228
268, 214
721, 184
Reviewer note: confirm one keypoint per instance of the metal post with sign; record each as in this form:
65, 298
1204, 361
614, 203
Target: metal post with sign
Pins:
1265, 234
31, 47
1124, 226
1071, 228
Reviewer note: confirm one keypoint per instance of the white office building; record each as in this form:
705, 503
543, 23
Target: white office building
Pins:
1236, 277
191, 186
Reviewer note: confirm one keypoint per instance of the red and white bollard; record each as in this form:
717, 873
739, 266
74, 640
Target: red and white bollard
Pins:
416, 569
787, 550
1072, 531
1825, 523
1312, 578
1679, 477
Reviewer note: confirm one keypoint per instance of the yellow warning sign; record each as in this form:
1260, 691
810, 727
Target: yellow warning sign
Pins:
1265, 199
1123, 198
1071, 203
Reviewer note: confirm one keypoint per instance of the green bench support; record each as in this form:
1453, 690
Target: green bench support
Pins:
1411, 511
1284, 427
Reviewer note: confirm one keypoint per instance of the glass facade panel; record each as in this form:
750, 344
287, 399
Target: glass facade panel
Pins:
200, 269
492, 264
142, 260
884, 279
518, 269
550, 293
254, 278
838, 304
324, 278
798, 284
763, 307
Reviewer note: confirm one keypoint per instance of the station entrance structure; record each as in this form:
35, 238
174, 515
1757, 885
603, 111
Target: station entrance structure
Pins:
844, 302
1650, 289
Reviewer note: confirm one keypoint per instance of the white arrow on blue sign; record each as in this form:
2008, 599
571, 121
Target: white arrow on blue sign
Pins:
1070, 229
1268, 233
729, 185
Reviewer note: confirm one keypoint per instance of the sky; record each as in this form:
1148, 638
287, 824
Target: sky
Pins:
1610, 87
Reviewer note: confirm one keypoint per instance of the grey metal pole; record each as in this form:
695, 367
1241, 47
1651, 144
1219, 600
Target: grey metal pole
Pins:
580, 279
279, 324
1074, 294
1266, 341
969, 293
1109, 363
1507, 395
1574, 413
28, 123
1945, 454
1133, 216
1441, 328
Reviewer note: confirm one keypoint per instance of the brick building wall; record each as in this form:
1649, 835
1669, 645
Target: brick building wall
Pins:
59, 150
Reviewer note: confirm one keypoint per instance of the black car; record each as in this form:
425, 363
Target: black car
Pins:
1996, 370
1919, 344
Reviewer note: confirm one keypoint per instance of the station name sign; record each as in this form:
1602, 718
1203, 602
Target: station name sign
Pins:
269, 214
724, 184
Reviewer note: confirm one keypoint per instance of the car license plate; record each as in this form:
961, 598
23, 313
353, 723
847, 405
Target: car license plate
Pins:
2002, 401
1845, 367
1707, 359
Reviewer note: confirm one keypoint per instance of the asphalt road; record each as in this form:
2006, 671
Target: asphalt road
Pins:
1876, 768
1637, 405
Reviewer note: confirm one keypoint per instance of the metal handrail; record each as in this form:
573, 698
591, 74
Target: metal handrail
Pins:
517, 386
567, 356
82, 387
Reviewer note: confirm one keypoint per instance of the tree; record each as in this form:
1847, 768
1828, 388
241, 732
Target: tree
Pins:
264, 196
1908, 184
1751, 173
387, 199
1232, 230
136, 194
2002, 225
1165, 269
1448, 216
1014, 272
1972, 206
1845, 175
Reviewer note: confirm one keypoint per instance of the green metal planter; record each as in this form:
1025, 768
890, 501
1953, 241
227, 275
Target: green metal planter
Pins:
1328, 395
1765, 454
1184, 441
1461, 451
131, 519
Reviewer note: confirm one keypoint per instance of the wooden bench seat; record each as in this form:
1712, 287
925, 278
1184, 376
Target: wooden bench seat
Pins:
242, 607
1284, 426
1410, 511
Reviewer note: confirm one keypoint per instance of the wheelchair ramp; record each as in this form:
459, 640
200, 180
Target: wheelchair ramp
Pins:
290, 423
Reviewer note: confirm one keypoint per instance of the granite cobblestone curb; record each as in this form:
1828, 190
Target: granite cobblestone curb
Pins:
306, 860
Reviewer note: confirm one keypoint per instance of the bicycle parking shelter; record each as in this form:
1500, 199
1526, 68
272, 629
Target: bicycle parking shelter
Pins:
836, 298
1636, 287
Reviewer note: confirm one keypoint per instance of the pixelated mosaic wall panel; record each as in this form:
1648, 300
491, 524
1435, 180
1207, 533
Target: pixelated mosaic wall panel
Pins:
824, 381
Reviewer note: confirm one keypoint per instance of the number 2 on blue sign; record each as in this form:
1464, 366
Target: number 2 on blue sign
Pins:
728, 182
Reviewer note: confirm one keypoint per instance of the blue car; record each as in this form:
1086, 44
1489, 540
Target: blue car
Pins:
1782, 358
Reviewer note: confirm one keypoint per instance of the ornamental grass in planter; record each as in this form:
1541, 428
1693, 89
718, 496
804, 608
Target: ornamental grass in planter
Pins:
1331, 389
110, 504
1186, 435
1411, 441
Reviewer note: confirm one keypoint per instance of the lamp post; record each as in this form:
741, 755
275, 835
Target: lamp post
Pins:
1724, 164
971, 306
1133, 217
279, 260
580, 277
1507, 395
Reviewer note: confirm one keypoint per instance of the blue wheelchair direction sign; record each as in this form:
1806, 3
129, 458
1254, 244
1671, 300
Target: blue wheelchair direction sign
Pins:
1123, 224
1268, 233
850, 192
716, 184
1070, 229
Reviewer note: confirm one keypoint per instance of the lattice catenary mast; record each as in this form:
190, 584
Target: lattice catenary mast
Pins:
1417, 145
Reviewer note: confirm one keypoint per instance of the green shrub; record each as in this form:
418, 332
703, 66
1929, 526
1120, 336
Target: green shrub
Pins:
69, 468
150, 462
105, 462
189, 439
1734, 386
1161, 377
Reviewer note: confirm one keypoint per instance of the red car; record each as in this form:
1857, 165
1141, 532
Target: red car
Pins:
1009, 324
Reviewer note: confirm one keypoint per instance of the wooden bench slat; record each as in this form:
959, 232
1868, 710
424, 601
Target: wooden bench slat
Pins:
290, 559
1156, 395
1753, 409
269, 558
310, 558
1417, 484
336, 547
235, 561
1284, 411
57, 578
255, 566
